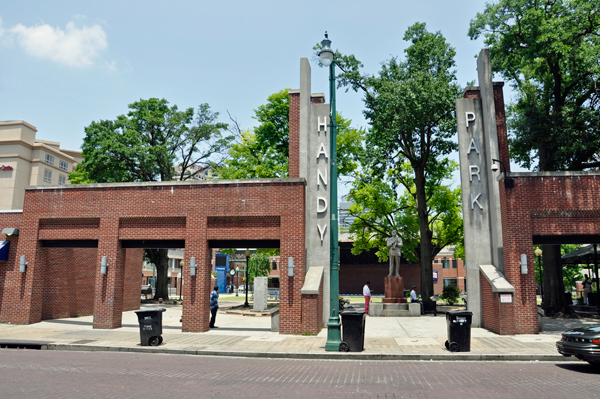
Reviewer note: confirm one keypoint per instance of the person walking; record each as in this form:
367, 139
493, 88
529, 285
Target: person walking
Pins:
367, 295
587, 289
413, 298
214, 306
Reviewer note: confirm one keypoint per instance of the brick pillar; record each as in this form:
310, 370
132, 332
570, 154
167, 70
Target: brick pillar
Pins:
501, 125
27, 288
294, 135
290, 299
196, 289
108, 297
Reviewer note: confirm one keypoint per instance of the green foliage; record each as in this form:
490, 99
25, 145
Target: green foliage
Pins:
411, 107
148, 143
450, 294
571, 273
258, 266
379, 209
549, 50
274, 117
263, 152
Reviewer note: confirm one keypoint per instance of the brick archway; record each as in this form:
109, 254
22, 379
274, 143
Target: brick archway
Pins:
112, 215
559, 206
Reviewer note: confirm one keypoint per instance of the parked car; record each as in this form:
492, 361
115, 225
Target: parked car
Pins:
583, 343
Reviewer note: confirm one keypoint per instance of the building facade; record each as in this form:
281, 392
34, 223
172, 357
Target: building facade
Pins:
27, 161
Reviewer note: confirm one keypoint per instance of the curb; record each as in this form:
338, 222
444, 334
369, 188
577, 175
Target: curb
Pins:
318, 356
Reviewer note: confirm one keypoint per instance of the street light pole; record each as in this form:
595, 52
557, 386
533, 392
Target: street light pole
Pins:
247, 253
237, 283
334, 337
538, 253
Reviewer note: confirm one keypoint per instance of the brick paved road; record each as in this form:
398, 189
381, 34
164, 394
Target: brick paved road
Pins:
53, 374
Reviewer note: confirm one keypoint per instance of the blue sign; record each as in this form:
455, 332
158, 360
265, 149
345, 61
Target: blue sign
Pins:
435, 275
221, 268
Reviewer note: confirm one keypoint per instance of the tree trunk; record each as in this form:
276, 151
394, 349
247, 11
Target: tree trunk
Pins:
426, 245
555, 300
159, 257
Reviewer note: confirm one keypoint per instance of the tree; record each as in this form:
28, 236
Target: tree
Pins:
411, 107
258, 265
263, 152
549, 51
153, 142
378, 209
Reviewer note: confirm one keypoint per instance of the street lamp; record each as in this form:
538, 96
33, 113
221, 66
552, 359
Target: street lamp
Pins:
247, 253
538, 253
334, 336
237, 283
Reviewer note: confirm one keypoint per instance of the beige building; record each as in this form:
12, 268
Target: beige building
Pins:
26, 161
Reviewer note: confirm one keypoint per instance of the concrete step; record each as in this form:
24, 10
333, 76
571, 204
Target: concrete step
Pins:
395, 313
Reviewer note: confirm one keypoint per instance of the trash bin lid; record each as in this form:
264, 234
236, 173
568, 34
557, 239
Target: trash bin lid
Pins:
460, 313
352, 313
150, 310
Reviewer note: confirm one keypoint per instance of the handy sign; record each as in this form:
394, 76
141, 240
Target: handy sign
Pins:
435, 275
505, 298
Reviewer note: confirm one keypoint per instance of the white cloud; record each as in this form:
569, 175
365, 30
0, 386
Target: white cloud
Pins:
76, 47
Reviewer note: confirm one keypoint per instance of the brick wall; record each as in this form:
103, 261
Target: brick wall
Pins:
195, 212
542, 204
294, 135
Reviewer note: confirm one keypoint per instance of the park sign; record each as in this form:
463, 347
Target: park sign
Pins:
478, 145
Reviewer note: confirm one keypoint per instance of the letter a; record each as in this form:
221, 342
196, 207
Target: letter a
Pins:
322, 151
473, 146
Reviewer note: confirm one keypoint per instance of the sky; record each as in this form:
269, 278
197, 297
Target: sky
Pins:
64, 64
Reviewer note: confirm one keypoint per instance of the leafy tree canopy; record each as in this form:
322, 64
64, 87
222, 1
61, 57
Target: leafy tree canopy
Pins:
549, 50
153, 142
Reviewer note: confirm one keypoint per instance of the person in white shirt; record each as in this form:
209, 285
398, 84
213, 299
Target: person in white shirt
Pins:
367, 295
587, 289
413, 297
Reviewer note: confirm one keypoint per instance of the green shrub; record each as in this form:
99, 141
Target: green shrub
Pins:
450, 294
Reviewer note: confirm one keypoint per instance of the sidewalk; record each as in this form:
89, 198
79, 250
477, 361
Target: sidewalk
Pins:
390, 338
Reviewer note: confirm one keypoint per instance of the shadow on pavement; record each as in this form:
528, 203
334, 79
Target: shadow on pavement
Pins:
582, 367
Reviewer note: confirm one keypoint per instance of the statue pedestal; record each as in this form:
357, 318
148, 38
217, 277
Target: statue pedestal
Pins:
394, 290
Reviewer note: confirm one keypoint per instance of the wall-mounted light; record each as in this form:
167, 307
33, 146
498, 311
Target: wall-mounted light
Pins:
22, 264
523, 264
290, 267
192, 266
10, 231
104, 265
508, 182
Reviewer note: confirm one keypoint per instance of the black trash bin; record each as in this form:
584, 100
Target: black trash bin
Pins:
459, 331
150, 320
353, 331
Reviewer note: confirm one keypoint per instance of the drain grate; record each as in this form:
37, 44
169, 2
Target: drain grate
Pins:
23, 345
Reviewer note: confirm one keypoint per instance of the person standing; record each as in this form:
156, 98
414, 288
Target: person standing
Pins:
214, 306
414, 298
587, 289
367, 295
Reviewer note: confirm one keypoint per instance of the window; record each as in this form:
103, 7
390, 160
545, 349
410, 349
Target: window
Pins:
64, 165
450, 281
62, 180
454, 263
446, 263
47, 175
49, 159
435, 260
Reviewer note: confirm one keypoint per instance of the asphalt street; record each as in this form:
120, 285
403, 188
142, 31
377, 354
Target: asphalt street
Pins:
54, 374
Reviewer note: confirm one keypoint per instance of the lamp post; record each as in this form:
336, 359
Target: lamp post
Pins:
247, 253
237, 283
334, 337
538, 253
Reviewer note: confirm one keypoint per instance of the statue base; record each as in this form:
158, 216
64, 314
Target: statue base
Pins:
394, 290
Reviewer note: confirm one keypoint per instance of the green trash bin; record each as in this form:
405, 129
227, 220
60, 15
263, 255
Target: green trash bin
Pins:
459, 331
150, 320
353, 331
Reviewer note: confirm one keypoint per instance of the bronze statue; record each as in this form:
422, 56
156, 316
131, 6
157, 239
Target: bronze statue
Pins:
394, 243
